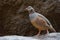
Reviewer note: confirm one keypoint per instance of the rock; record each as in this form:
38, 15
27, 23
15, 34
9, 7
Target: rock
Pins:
51, 36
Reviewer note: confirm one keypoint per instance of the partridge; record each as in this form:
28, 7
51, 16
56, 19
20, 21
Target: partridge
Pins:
39, 21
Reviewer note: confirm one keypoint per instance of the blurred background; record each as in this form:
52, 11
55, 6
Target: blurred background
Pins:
14, 20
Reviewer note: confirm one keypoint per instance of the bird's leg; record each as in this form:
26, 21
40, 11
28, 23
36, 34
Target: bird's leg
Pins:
47, 31
38, 34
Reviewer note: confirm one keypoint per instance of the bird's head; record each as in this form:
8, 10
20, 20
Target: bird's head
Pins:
30, 9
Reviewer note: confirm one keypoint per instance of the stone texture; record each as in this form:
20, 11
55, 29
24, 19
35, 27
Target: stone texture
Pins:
14, 19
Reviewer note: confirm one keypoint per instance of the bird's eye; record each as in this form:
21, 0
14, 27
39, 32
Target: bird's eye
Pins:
43, 0
31, 10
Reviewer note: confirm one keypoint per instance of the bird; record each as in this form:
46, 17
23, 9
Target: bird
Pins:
39, 21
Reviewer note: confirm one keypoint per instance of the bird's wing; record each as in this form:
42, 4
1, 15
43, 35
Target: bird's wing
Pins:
49, 25
44, 18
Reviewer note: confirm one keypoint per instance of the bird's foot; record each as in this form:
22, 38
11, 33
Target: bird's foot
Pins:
47, 32
36, 36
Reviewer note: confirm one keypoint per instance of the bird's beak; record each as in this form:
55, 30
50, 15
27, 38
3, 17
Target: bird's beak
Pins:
26, 9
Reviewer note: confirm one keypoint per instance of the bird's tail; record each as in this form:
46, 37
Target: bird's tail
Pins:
52, 29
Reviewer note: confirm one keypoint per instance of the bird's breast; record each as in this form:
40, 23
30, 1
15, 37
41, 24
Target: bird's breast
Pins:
32, 16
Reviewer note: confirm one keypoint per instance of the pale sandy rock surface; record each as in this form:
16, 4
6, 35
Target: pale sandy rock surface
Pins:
51, 36
15, 21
